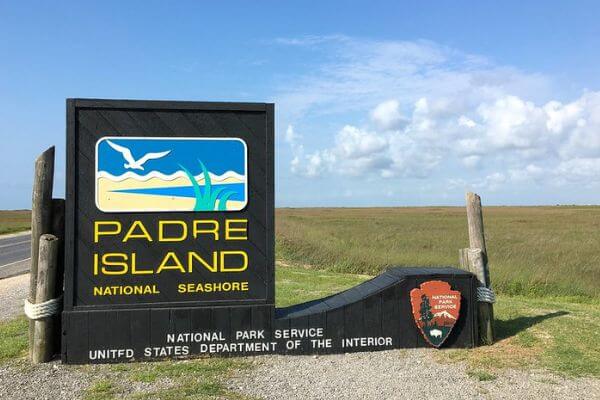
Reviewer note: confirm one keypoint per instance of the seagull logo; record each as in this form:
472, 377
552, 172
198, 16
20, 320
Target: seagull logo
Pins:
131, 162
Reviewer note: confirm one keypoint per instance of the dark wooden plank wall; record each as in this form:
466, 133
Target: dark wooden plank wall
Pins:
89, 120
384, 313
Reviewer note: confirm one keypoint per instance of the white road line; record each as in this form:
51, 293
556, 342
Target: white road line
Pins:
14, 244
13, 263
11, 235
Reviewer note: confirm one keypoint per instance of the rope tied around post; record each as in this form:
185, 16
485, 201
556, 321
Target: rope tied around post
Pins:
485, 295
44, 309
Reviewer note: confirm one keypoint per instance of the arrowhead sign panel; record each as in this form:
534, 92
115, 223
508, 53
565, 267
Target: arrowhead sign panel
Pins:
436, 309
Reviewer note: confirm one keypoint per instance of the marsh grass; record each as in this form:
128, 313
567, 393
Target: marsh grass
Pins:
14, 221
534, 251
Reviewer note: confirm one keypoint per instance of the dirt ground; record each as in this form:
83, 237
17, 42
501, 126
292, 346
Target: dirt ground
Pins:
13, 292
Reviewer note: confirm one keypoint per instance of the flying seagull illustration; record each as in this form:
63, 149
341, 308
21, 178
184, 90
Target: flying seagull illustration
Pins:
135, 164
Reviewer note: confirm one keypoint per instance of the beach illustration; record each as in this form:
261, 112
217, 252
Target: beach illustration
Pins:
138, 174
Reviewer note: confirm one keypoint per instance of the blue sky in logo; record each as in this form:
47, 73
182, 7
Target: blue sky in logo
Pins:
219, 156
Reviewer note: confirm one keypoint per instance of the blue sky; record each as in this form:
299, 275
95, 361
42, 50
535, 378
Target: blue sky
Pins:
184, 153
377, 103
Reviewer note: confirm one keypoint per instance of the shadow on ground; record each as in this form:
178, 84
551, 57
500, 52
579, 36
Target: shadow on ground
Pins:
507, 328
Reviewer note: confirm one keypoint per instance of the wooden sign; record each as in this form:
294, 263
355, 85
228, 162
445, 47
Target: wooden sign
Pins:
170, 245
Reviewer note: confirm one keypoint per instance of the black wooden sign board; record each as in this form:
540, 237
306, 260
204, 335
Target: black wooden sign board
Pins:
170, 247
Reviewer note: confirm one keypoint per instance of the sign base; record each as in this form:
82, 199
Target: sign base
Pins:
375, 315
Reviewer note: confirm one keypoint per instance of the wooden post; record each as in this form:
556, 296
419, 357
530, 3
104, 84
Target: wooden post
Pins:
44, 340
475, 223
463, 259
485, 311
478, 265
41, 219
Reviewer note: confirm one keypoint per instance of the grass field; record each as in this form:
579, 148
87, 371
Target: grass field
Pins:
536, 251
14, 221
539, 251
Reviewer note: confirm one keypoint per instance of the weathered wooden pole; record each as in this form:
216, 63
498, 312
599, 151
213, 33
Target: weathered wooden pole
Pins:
476, 259
485, 309
44, 338
475, 223
463, 259
41, 219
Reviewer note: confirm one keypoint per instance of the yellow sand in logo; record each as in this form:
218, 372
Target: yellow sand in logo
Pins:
108, 201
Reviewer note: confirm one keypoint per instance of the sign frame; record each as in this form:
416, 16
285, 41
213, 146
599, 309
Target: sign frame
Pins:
74, 106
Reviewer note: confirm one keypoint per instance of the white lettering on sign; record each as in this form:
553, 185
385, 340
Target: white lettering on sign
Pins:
292, 344
298, 333
110, 354
238, 347
367, 341
166, 351
195, 337
247, 335
321, 343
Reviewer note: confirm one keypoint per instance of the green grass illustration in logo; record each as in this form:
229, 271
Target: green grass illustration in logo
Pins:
206, 200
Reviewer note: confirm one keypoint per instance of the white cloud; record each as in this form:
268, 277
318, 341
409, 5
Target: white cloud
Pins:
471, 161
580, 121
290, 136
492, 182
354, 143
432, 111
531, 172
387, 115
310, 40
356, 152
356, 75
466, 122
509, 130
510, 122
579, 169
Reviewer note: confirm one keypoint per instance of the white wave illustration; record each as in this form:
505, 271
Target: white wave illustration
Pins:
164, 177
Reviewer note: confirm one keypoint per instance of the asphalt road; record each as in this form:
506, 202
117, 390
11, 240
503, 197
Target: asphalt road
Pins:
15, 253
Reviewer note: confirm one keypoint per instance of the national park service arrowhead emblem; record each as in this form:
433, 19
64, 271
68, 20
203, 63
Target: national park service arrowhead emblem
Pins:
435, 307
